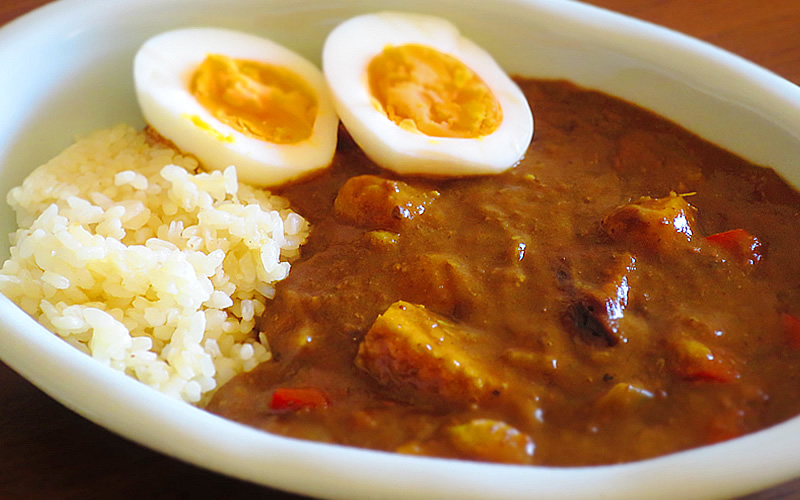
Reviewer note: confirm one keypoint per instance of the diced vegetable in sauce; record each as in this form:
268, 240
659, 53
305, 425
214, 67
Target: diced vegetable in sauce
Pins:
741, 246
409, 346
303, 398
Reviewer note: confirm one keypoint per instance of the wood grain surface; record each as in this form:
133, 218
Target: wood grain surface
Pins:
46, 451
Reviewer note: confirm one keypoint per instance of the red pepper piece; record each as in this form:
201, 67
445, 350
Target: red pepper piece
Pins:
791, 329
298, 398
743, 247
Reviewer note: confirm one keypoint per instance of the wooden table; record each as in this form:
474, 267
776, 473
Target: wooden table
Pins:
46, 451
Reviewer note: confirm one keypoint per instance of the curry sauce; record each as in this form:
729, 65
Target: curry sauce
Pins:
627, 291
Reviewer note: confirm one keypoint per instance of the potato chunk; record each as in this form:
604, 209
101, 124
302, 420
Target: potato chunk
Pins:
492, 440
412, 348
659, 225
378, 203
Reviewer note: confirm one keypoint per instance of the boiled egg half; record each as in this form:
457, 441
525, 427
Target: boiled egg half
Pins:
232, 98
420, 98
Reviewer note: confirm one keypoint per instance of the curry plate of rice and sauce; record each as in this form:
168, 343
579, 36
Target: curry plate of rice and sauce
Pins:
401, 254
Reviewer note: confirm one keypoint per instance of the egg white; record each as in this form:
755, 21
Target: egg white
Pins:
163, 68
346, 55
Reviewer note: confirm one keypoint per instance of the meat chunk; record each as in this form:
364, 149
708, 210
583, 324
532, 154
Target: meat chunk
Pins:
656, 224
410, 348
596, 311
591, 321
378, 203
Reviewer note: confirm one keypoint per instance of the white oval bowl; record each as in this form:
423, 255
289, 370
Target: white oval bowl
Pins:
71, 66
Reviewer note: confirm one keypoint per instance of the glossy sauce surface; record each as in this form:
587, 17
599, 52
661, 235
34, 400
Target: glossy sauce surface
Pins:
571, 311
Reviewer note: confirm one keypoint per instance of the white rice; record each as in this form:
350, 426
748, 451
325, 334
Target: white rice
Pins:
152, 269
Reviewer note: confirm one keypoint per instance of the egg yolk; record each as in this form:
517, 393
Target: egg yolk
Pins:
262, 101
429, 92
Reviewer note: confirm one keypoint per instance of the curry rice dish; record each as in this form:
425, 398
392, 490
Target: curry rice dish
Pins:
628, 290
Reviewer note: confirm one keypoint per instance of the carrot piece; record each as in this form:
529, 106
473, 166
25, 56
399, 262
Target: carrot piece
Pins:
712, 371
298, 398
791, 329
698, 362
741, 245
